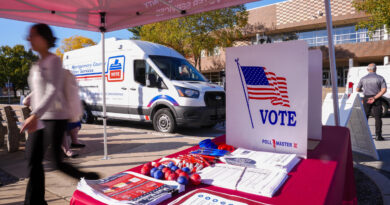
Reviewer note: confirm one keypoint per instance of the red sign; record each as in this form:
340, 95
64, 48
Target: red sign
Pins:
115, 74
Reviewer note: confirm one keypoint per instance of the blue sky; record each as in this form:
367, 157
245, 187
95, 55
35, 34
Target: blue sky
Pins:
14, 32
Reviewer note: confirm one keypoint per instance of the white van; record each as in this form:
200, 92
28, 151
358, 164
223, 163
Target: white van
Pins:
356, 73
145, 82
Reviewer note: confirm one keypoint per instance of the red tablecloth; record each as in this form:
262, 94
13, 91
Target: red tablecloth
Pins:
325, 177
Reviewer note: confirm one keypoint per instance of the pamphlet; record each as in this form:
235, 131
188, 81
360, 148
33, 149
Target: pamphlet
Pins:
129, 188
263, 182
222, 175
204, 196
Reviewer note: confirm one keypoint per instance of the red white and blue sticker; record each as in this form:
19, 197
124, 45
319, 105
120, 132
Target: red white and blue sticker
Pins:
163, 97
115, 69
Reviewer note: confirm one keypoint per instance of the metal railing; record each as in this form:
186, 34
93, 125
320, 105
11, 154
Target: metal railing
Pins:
355, 37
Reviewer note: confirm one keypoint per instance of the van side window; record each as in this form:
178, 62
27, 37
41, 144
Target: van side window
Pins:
139, 71
153, 79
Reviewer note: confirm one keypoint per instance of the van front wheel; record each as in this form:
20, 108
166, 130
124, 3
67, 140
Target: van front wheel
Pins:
163, 121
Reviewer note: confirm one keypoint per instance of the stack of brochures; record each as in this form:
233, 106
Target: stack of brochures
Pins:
129, 188
260, 173
262, 160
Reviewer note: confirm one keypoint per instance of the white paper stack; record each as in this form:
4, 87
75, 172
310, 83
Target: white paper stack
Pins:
262, 160
263, 182
255, 172
222, 175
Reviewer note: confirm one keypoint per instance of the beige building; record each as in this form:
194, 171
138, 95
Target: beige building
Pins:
305, 20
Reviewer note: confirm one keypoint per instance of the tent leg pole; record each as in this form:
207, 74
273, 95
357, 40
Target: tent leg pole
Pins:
332, 61
104, 99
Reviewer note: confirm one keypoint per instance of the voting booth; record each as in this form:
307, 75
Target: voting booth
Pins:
269, 98
352, 115
315, 95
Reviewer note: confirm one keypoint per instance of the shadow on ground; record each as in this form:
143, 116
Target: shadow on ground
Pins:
181, 130
366, 190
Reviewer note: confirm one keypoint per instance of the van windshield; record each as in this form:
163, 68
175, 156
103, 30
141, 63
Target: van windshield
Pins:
177, 69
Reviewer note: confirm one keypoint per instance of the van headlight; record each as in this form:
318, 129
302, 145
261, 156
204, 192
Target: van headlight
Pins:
186, 92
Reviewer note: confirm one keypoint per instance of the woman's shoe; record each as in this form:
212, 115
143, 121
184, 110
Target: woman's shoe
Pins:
73, 145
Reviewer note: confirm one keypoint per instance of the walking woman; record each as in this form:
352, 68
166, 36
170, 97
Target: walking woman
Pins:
49, 106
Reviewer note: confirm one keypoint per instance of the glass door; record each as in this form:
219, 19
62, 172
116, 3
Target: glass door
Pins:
326, 78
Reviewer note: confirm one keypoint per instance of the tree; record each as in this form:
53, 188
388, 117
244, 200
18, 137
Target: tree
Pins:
378, 11
136, 32
191, 34
167, 33
73, 43
15, 65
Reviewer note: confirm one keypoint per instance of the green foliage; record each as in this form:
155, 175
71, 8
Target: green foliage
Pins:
168, 33
15, 64
191, 34
136, 32
378, 11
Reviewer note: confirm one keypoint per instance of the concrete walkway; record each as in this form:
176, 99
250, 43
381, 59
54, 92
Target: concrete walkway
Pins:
378, 170
128, 147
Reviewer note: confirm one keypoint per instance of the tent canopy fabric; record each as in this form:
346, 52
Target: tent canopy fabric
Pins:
120, 14
104, 16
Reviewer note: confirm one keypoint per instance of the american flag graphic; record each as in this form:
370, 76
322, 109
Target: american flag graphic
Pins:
264, 85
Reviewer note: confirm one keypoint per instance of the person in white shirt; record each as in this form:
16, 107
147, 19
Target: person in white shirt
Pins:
48, 105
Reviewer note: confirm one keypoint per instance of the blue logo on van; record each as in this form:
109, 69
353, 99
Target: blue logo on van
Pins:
116, 68
116, 65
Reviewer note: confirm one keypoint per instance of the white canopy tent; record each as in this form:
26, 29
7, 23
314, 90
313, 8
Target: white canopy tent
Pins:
110, 15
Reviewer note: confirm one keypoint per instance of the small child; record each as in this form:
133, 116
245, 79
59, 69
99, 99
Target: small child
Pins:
73, 130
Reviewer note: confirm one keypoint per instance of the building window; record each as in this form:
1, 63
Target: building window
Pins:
326, 78
342, 74
217, 51
203, 53
342, 35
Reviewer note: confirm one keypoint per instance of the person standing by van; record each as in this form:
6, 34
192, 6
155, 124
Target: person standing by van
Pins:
374, 86
48, 103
